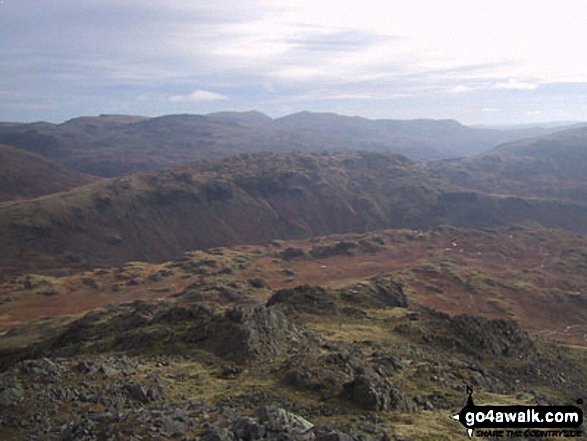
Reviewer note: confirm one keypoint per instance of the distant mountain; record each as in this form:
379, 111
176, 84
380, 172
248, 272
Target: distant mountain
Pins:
417, 139
550, 166
116, 145
28, 175
247, 118
248, 199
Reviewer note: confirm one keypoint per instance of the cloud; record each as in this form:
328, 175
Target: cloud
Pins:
198, 96
461, 88
342, 96
513, 84
330, 41
438, 58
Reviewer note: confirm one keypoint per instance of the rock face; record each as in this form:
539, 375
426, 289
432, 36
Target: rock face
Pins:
370, 392
245, 333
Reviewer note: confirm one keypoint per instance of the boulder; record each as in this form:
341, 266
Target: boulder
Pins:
370, 392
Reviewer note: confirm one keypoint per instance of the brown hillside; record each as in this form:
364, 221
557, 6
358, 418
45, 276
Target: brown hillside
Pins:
28, 175
248, 199
550, 166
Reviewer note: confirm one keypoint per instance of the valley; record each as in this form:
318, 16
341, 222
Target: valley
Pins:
208, 289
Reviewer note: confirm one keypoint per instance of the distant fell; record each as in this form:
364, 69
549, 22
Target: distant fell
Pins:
116, 145
549, 166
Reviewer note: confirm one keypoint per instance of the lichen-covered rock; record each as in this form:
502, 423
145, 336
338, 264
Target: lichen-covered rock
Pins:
370, 392
276, 419
12, 395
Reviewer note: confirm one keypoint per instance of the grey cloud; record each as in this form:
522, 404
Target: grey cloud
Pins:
339, 41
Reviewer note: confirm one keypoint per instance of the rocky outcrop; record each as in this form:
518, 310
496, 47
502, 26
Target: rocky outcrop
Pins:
239, 335
246, 333
479, 336
273, 423
306, 298
349, 375
371, 392
379, 292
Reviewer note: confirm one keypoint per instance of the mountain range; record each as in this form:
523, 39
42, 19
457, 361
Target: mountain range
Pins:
116, 145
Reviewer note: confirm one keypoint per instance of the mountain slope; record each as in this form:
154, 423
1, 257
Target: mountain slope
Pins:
115, 145
27, 175
550, 166
248, 199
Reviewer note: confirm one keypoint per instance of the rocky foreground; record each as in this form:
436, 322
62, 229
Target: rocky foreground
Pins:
227, 357
309, 366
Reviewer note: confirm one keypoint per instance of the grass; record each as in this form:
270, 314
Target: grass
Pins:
499, 286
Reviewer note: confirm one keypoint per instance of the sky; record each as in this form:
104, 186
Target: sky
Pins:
476, 61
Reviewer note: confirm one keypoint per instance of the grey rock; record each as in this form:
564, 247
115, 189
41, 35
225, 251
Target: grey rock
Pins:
108, 371
248, 429
43, 366
155, 393
370, 392
334, 436
172, 426
276, 419
136, 392
245, 333
217, 435
11, 396
85, 367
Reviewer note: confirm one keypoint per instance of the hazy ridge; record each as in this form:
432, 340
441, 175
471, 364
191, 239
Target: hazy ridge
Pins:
115, 145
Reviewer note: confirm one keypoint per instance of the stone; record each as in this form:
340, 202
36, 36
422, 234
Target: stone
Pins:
136, 392
248, 429
277, 419
11, 396
370, 392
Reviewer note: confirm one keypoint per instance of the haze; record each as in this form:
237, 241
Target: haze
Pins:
482, 62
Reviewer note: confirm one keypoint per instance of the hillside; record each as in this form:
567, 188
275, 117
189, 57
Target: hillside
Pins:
551, 166
28, 175
116, 145
249, 199
370, 337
